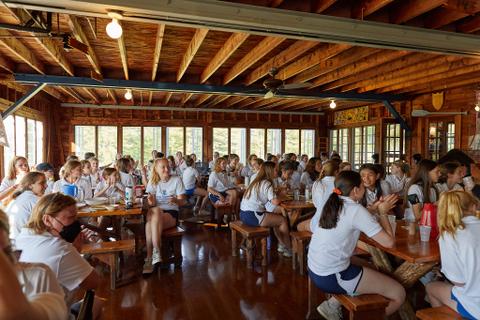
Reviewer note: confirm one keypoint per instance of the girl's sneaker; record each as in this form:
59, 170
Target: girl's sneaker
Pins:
147, 266
330, 309
287, 253
155, 257
281, 248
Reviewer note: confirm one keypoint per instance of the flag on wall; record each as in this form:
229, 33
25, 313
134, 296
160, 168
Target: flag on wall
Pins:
3, 134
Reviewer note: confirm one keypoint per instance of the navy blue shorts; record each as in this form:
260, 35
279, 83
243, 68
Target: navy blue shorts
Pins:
251, 218
461, 309
190, 192
173, 213
215, 198
344, 282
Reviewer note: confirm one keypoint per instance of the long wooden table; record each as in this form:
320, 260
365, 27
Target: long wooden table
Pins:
419, 258
295, 208
120, 211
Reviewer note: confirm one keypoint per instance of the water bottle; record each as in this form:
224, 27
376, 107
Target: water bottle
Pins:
128, 197
307, 193
247, 181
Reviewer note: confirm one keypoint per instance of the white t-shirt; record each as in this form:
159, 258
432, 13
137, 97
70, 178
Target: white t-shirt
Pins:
247, 171
321, 191
302, 166
396, 184
127, 179
51, 304
418, 190
296, 179
306, 180
443, 187
163, 191
35, 278
460, 257
50, 184
19, 211
257, 200
220, 181
181, 167
189, 177
7, 183
211, 164
84, 188
111, 191
95, 178
371, 196
290, 183
61, 256
330, 250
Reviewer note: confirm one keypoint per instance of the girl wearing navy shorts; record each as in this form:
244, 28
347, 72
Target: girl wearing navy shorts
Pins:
220, 188
259, 198
335, 239
191, 178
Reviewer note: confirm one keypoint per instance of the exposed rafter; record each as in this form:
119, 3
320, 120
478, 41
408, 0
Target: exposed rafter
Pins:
123, 54
18, 49
470, 25
410, 9
192, 49
364, 8
158, 50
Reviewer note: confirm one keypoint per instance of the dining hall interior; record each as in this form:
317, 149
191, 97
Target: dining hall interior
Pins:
240, 159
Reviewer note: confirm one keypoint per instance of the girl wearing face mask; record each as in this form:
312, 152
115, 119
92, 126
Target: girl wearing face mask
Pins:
53, 236
451, 175
166, 194
72, 175
17, 168
29, 191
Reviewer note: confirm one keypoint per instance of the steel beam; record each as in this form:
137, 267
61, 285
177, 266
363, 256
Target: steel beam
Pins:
159, 108
66, 81
403, 124
235, 17
20, 102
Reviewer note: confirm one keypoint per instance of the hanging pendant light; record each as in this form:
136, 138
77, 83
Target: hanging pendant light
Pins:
333, 105
114, 29
128, 94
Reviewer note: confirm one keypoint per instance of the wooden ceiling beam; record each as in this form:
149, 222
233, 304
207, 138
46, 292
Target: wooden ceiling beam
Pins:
430, 67
21, 51
234, 100
409, 9
81, 36
292, 52
92, 95
259, 103
230, 46
325, 66
217, 100
311, 60
7, 64
444, 84
192, 49
168, 96
442, 17
318, 6
275, 3
202, 98
351, 73
150, 97
469, 7
470, 25
255, 54
71, 92
364, 8
123, 54
158, 50
186, 97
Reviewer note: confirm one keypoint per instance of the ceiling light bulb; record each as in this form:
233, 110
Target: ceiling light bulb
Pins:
333, 105
114, 29
477, 108
128, 95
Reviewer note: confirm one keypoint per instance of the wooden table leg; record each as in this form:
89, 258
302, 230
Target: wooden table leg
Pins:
293, 216
313, 301
264, 251
249, 253
234, 243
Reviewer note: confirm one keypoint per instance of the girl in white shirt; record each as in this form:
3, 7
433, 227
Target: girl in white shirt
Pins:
260, 197
375, 187
460, 255
248, 170
72, 174
322, 189
123, 166
95, 173
47, 169
174, 171
220, 188
421, 189
311, 173
333, 243
17, 168
285, 181
110, 186
191, 178
31, 188
451, 175
87, 173
166, 194
398, 178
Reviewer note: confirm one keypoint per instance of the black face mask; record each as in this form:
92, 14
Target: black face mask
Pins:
69, 233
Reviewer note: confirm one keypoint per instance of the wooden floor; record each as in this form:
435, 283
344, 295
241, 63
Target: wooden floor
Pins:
211, 285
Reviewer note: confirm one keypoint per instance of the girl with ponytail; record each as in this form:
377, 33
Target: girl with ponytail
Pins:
335, 239
460, 255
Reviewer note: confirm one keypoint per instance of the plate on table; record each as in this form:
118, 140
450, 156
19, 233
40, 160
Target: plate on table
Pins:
80, 204
96, 201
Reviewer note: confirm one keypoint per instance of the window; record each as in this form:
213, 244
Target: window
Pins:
107, 144
333, 141
25, 138
131, 142
220, 141
257, 142
450, 136
238, 142
339, 142
274, 141
435, 140
194, 142
174, 140
393, 144
363, 145
84, 140
292, 141
152, 140
308, 142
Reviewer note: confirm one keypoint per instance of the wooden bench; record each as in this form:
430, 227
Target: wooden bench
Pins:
109, 253
300, 240
171, 250
250, 235
365, 306
439, 313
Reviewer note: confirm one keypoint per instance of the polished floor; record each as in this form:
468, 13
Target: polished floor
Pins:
211, 285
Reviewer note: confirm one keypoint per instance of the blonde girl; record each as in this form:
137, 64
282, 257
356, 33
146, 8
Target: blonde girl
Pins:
17, 168
166, 194
460, 255
31, 188
220, 188
72, 174
110, 186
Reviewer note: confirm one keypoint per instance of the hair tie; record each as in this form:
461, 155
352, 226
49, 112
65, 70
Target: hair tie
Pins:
337, 191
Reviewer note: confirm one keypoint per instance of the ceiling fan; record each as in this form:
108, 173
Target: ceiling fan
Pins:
274, 85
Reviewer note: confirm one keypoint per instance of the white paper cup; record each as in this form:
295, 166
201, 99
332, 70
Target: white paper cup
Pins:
425, 233
393, 223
